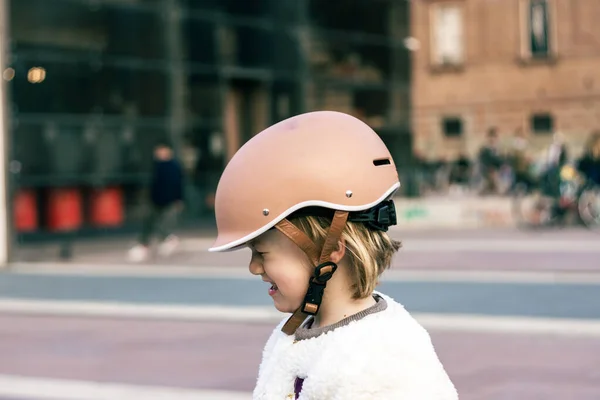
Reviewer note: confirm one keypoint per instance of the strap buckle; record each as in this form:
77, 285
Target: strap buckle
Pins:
316, 287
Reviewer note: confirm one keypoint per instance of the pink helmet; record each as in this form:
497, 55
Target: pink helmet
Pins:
320, 160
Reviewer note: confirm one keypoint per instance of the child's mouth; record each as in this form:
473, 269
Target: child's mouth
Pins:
273, 289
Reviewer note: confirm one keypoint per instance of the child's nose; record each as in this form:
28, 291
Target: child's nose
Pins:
256, 267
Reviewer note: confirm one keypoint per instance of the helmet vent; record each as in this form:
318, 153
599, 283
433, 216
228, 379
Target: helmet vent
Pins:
381, 161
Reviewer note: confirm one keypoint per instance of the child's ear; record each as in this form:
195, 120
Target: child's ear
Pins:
337, 255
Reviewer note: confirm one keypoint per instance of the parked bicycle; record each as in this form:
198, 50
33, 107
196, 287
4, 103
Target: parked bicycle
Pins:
551, 200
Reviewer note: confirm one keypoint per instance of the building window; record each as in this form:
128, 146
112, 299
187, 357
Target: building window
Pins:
452, 127
542, 124
447, 33
537, 40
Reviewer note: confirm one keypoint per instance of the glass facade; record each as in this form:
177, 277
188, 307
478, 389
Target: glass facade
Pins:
98, 82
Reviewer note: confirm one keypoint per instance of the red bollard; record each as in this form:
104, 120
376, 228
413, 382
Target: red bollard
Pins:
25, 211
64, 209
106, 207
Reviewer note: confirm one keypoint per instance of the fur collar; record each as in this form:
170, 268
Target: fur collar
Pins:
386, 355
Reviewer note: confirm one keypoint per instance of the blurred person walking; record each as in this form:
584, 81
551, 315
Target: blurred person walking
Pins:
460, 174
166, 200
589, 163
520, 161
490, 163
556, 157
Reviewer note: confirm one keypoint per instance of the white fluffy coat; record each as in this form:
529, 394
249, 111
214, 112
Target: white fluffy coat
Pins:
386, 355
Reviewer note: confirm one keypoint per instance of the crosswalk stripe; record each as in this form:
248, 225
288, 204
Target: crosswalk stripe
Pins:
36, 388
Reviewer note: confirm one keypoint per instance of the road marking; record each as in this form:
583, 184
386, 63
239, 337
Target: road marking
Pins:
62, 389
448, 322
482, 276
138, 270
516, 325
130, 310
232, 272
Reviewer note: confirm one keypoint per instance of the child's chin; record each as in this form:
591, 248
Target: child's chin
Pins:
284, 308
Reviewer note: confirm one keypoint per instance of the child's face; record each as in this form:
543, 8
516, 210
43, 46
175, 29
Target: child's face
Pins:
284, 265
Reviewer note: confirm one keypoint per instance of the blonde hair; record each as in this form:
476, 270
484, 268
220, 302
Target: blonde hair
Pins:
594, 144
369, 252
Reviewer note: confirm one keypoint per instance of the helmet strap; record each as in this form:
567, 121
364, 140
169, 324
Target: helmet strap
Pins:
324, 267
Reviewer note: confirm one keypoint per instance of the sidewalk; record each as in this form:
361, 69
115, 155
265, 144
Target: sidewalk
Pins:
455, 212
104, 249
564, 250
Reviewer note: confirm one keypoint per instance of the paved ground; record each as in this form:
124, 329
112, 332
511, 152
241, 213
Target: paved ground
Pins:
483, 366
513, 316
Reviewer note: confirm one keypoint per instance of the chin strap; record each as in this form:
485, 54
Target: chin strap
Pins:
324, 267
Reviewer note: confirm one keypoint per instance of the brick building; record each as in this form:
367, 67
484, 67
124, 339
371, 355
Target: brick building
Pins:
509, 64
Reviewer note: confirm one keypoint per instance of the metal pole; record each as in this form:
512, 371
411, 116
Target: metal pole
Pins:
177, 74
302, 37
4, 143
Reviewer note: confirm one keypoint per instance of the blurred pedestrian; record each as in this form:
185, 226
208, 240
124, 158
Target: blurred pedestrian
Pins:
557, 155
166, 200
520, 161
461, 171
490, 162
589, 163
556, 158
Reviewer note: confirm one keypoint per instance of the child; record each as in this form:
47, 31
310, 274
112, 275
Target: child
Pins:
311, 197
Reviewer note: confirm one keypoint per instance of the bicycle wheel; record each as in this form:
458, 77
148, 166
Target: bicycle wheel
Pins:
588, 207
530, 208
